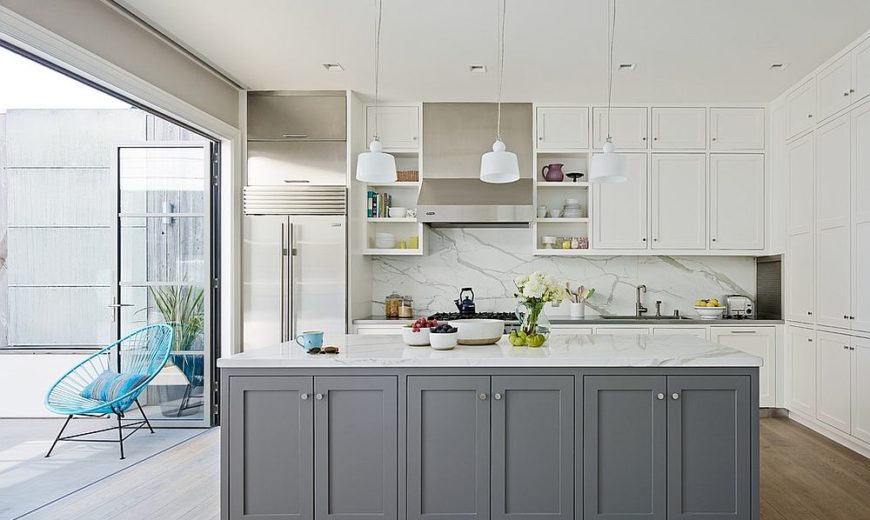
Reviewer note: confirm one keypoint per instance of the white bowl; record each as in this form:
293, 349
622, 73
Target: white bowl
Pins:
385, 244
710, 313
398, 212
415, 339
572, 202
443, 340
385, 235
478, 331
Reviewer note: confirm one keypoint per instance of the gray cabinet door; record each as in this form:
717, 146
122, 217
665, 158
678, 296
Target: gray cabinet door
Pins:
356, 449
448, 447
709, 450
533, 448
624, 443
270, 430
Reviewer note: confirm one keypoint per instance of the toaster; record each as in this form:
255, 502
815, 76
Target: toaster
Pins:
739, 307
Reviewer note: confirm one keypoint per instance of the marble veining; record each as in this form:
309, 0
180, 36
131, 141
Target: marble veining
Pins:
560, 351
489, 259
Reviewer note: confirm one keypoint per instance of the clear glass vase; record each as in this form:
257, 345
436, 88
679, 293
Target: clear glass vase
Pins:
533, 322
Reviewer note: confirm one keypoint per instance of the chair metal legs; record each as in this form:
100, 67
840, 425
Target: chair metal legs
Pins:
53, 444
120, 436
144, 417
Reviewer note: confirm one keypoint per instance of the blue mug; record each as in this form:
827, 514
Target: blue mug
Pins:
310, 339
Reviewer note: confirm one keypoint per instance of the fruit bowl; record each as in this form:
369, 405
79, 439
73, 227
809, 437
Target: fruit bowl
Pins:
478, 331
412, 338
443, 340
710, 313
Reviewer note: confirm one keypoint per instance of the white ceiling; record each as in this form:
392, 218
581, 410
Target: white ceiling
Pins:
685, 50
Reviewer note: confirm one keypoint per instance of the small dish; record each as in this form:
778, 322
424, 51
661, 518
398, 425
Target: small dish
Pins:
443, 340
415, 339
710, 313
398, 212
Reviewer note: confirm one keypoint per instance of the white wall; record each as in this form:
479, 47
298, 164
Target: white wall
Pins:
25, 379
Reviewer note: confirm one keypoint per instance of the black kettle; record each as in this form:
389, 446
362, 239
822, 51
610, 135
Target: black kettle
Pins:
466, 304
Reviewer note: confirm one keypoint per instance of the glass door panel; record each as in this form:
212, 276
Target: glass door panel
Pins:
164, 269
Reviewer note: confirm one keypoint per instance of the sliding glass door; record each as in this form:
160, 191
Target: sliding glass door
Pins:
164, 268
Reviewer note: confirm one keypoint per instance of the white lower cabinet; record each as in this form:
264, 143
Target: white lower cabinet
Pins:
834, 377
698, 332
861, 388
622, 331
801, 379
568, 331
758, 341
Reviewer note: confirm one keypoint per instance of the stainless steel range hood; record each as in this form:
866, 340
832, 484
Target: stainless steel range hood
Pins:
451, 202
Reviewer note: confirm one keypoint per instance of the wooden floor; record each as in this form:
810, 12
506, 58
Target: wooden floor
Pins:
803, 477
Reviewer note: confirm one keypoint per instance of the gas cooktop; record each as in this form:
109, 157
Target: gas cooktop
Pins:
447, 316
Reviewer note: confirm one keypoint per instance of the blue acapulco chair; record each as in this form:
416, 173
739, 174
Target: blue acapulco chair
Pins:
143, 353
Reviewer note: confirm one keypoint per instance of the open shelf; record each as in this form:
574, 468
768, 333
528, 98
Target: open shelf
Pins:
391, 220
392, 252
561, 220
569, 184
403, 184
561, 252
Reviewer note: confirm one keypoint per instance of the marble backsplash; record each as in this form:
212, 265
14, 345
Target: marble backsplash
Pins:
489, 259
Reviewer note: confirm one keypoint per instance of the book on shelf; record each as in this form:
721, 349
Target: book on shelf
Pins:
378, 204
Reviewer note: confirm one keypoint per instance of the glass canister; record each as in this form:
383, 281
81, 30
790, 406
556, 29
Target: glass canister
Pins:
406, 309
392, 303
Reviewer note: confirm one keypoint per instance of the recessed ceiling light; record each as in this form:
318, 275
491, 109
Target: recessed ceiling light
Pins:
477, 68
333, 67
626, 67
777, 66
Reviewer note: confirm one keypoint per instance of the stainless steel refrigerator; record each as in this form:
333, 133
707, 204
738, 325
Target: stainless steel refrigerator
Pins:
294, 266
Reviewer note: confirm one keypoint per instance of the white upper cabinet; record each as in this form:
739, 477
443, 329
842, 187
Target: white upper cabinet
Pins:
861, 71
800, 186
758, 341
834, 377
678, 198
563, 128
737, 201
679, 128
833, 191
734, 129
620, 210
800, 278
802, 108
861, 218
835, 85
628, 128
801, 379
398, 127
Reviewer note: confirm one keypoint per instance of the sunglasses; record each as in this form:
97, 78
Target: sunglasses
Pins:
325, 350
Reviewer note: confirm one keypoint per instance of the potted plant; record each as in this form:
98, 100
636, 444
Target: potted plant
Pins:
533, 291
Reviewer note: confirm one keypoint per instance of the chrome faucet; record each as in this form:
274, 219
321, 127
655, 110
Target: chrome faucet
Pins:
639, 308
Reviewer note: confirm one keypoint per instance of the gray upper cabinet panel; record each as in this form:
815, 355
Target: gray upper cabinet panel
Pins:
273, 116
709, 451
448, 447
270, 448
624, 442
533, 447
356, 450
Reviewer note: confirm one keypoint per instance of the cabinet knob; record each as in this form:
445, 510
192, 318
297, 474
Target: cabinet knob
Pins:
851, 317
304, 397
810, 116
655, 138
482, 397
318, 396
675, 396
643, 138
644, 239
851, 91
714, 138
845, 347
846, 93
540, 139
809, 313
496, 396
414, 138
660, 396
845, 316
809, 340
655, 240
714, 240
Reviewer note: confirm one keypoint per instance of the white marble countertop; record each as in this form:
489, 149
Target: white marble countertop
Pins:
358, 351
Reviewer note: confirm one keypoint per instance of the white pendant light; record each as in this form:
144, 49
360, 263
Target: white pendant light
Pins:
608, 166
499, 166
375, 166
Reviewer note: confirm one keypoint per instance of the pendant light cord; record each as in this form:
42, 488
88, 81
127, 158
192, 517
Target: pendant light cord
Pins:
500, 64
378, 9
611, 29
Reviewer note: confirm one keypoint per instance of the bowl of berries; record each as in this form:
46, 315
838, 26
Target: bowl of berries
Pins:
443, 336
417, 334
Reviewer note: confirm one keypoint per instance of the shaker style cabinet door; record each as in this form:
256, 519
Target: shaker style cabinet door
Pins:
758, 341
624, 447
709, 447
801, 107
355, 454
533, 447
861, 388
835, 87
448, 447
562, 128
861, 71
736, 129
679, 128
297, 117
801, 185
861, 217
833, 243
834, 376
398, 127
271, 437
679, 201
737, 201
620, 210
628, 128
801, 379
800, 278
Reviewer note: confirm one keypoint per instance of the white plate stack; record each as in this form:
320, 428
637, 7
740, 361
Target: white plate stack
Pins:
572, 209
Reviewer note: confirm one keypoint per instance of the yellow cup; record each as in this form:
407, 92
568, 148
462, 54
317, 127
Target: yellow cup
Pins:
413, 242
402, 244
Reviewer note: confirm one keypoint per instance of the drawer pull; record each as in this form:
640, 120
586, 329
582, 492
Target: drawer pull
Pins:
743, 331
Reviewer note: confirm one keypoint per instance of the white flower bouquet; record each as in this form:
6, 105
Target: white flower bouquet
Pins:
533, 291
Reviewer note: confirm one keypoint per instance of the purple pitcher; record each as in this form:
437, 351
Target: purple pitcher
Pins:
553, 173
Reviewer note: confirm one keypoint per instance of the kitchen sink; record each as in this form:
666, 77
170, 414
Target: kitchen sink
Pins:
644, 318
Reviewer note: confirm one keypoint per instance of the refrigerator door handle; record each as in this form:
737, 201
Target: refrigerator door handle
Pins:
291, 253
281, 285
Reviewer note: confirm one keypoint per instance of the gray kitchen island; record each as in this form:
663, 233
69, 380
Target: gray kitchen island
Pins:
591, 427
